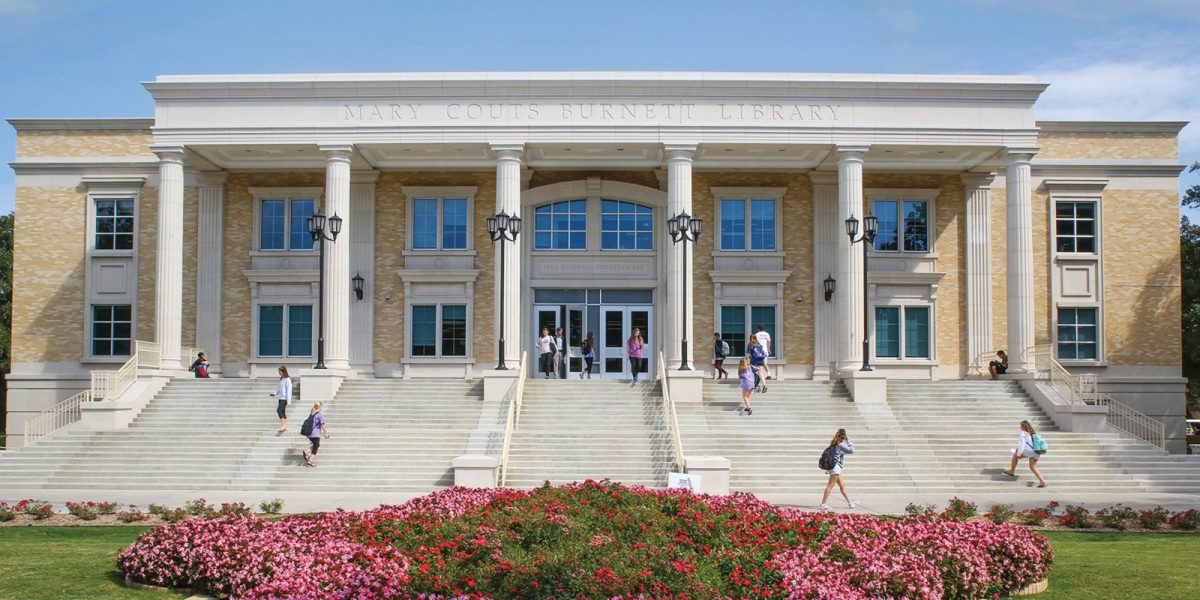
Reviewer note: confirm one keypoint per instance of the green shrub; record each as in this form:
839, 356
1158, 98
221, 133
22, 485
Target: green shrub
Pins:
107, 508
84, 512
1001, 513
1115, 517
271, 507
234, 508
6, 512
200, 508
157, 509
1075, 517
132, 515
1186, 520
174, 515
1152, 518
38, 509
960, 510
920, 510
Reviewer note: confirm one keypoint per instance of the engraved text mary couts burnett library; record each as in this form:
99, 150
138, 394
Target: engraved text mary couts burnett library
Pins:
629, 112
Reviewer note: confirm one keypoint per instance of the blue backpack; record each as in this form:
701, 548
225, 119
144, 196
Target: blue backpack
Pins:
758, 352
1039, 444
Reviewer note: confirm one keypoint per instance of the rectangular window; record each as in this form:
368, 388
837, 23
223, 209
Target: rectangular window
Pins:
903, 332
903, 225
740, 323
626, 226
283, 224
454, 224
764, 316
1075, 227
753, 219
561, 226
437, 327
112, 329
277, 340
440, 224
114, 224
1078, 337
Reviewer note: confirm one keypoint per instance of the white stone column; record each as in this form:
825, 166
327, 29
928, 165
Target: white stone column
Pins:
361, 229
850, 291
977, 189
337, 258
1019, 253
508, 200
827, 234
209, 259
679, 199
168, 290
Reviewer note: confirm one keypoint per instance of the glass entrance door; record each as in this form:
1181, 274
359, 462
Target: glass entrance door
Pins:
618, 323
574, 332
546, 317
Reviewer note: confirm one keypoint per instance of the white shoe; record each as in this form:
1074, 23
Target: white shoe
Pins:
826, 507
852, 503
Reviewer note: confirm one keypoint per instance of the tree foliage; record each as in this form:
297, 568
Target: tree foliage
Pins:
6, 270
1189, 246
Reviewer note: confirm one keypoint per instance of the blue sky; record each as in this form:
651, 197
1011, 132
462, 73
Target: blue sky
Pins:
1105, 59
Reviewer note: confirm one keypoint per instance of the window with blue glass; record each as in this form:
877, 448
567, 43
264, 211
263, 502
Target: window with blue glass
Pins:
285, 330
626, 226
114, 224
748, 224
439, 327
1078, 337
903, 332
903, 225
740, 323
283, 224
561, 226
439, 224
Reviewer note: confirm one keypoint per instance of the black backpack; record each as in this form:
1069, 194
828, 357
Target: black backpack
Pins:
828, 460
307, 428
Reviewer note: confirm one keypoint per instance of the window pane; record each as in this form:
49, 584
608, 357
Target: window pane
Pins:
886, 235
299, 238
916, 332
916, 226
1078, 333
765, 316
733, 224
424, 330
124, 208
625, 226
270, 330
561, 226
454, 224
112, 329
272, 225
454, 330
762, 224
887, 332
733, 328
300, 330
106, 208
425, 224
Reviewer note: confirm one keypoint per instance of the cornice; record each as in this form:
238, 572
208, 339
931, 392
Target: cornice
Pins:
1106, 168
80, 124
1173, 127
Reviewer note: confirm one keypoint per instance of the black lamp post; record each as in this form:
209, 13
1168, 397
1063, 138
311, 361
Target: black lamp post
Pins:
684, 228
870, 228
316, 228
830, 286
503, 228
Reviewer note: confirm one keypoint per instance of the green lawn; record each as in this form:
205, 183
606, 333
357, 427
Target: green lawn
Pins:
77, 562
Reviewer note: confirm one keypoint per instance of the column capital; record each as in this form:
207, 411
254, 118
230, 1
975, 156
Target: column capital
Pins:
1019, 155
337, 152
823, 177
168, 152
364, 176
679, 151
211, 178
507, 151
851, 151
977, 180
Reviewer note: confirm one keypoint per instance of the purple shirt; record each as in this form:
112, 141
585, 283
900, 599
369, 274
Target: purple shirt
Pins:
318, 423
634, 347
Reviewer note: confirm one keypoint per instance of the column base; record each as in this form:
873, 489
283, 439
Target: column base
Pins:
320, 385
866, 386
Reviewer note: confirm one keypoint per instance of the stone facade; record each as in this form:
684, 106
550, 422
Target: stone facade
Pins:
88, 143
1099, 145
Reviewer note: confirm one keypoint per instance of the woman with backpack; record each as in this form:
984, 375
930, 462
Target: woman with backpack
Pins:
831, 461
758, 362
1030, 446
314, 429
746, 378
720, 353
200, 366
283, 392
589, 355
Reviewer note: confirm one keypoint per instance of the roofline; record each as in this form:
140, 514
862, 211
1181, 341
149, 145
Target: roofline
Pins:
606, 76
80, 124
1173, 127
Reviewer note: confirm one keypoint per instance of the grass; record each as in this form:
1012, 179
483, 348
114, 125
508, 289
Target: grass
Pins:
77, 562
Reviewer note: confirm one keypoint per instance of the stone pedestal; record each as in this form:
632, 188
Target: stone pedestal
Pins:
476, 470
685, 386
713, 472
319, 385
497, 384
866, 387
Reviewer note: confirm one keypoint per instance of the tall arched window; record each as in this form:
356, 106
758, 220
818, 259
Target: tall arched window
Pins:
561, 226
626, 226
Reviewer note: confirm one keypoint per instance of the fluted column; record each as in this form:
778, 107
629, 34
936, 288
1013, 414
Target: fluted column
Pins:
850, 292
209, 250
337, 258
679, 199
827, 233
1019, 253
977, 190
508, 199
168, 290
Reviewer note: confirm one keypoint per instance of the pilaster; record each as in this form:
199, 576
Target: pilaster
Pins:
336, 300
210, 242
977, 189
827, 232
168, 291
361, 229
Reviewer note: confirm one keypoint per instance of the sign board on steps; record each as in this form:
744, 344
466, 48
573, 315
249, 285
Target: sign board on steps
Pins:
687, 481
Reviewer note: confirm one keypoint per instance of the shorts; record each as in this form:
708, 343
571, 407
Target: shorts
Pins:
281, 410
836, 470
1000, 369
1029, 454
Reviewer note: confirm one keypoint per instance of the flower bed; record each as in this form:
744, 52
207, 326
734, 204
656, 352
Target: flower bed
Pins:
588, 540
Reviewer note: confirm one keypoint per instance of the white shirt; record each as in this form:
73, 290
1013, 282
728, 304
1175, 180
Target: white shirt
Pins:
764, 338
284, 390
544, 344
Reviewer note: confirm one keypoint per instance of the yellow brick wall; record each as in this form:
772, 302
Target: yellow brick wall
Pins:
77, 143
998, 213
191, 223
1063, 145
49, 243
147, 267
1041, 268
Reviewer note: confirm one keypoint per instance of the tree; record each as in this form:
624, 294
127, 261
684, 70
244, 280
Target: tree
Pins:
6, 269
1189, 246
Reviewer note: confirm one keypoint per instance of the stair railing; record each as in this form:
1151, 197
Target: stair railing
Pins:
1124, 418
109, 385
62, 414
514, 398
669, 412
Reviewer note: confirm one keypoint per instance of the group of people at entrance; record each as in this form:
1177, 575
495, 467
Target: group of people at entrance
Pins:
553, 359
753, 371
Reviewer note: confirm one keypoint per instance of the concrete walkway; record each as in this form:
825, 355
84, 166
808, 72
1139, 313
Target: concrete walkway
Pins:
884, 504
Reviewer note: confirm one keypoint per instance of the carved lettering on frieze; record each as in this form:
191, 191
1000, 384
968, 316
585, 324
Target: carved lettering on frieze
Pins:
607, 112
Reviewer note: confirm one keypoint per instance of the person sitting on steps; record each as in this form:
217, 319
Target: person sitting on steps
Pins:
998, 367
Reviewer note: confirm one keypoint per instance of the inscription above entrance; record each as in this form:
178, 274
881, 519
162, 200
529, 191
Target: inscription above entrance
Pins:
641, 113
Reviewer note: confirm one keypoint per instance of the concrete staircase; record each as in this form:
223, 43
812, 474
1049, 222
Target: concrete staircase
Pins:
220, 434
577, 430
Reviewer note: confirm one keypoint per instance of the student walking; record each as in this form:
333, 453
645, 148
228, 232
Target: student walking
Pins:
283, 393
560, 354
746, 378
720, 353
200, 366
633, 349
758, 362
545, 347
764, 339
317, 431
999, 366
838, 447
589, 355
1028, 447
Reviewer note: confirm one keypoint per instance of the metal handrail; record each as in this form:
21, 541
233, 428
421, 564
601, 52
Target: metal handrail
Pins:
62, 414
1126, 419
109, 385
977, 364
669, 412
514, 397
